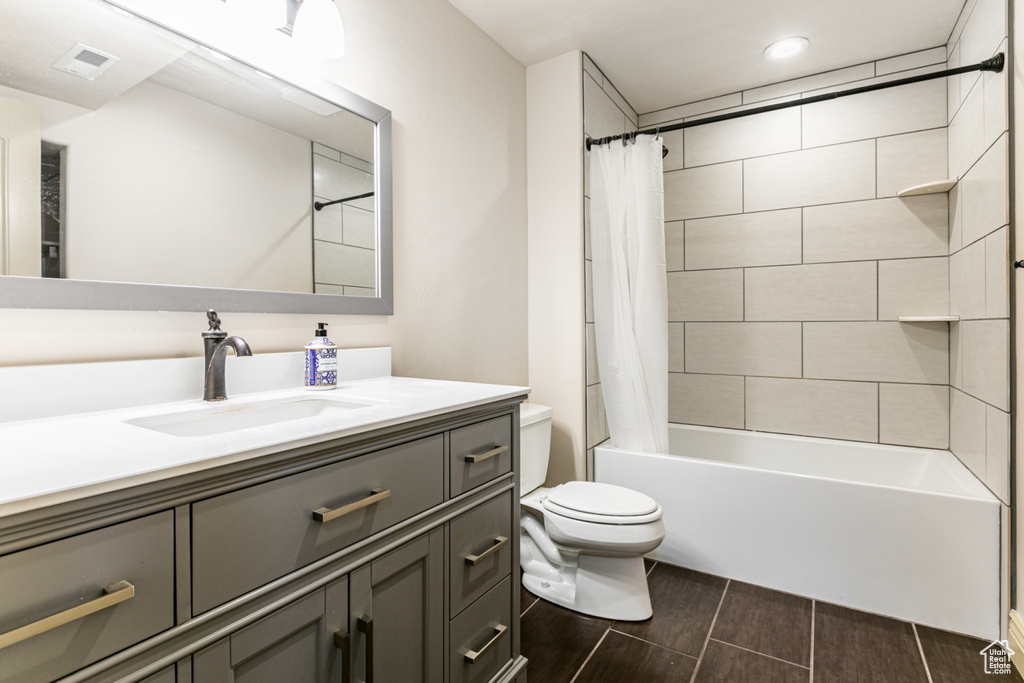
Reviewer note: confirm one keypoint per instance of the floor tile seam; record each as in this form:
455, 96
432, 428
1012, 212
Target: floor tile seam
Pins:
590, 656
651, 642
920, 650
656, 563
761, 654
711, 629
529, 608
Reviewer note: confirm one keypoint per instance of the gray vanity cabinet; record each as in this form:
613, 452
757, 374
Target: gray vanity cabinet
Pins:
291, 644
397, 614
168, 675
69, 603
388, 557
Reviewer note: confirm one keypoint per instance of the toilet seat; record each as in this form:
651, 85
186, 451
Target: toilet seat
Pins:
588, 501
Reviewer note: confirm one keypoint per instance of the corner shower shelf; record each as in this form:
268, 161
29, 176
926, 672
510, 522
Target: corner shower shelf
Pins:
929, 188
928, 318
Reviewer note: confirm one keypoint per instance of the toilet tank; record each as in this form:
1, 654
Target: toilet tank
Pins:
534, 445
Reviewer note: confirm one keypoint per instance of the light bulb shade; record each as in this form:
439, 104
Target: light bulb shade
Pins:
319, 30
266, 14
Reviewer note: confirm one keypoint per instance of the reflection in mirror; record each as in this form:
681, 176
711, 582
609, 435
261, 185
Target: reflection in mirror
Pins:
137, 155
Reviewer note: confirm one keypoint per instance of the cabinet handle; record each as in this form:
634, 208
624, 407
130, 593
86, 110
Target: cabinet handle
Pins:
499, 543
113, 594
365, 624
489, 454
473, 655
343, 641
326, 514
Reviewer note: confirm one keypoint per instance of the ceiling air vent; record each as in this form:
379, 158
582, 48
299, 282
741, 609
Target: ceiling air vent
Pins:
85, 61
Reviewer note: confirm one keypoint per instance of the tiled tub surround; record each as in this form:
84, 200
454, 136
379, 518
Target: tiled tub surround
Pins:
790, 258
76, 443
344, 235
905, 532
979, 258
605, 112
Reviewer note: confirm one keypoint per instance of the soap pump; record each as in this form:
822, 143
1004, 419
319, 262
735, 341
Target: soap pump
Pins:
321, 361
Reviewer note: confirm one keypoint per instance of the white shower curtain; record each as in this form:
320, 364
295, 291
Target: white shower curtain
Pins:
627, 222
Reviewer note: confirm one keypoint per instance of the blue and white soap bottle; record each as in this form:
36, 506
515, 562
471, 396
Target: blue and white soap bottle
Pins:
321, 361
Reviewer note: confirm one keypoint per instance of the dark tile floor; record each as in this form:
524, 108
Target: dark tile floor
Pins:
706, 628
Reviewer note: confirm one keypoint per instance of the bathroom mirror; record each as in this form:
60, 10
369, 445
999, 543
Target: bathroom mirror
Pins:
143, 168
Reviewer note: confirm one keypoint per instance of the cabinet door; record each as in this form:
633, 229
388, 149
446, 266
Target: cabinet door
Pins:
397, 614
291, 644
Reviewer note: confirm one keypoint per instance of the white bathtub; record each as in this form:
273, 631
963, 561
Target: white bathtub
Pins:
905, 532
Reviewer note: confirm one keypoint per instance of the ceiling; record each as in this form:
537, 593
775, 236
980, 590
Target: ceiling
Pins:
661, 53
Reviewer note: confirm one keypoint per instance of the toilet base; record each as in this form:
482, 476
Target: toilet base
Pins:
606, 587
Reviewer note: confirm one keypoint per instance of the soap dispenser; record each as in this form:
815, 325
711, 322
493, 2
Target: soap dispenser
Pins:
321, 361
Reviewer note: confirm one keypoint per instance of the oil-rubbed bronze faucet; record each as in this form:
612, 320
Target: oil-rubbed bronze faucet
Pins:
216, 343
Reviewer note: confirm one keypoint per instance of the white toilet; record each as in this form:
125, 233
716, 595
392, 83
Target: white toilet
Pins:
583, 542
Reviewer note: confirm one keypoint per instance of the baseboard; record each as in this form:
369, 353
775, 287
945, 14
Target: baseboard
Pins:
1016, 639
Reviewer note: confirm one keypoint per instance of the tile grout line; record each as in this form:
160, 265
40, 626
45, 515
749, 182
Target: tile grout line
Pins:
711, 629
585, 661
814, 607
648, 642
529, 608
759, 654
920, 649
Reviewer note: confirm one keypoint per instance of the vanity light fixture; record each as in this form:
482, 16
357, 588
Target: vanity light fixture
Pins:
319, 30
787, 47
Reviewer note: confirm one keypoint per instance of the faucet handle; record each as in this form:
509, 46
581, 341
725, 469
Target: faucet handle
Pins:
211, 315
214, 333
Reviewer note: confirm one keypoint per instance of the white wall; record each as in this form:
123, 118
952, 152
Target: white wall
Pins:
459, 109
243, 185
556, 277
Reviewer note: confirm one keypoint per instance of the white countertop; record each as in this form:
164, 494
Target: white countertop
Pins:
53, 460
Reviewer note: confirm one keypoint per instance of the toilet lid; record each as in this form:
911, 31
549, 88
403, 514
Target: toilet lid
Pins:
593, 501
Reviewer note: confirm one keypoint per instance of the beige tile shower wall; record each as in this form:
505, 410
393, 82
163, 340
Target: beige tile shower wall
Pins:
344, 235
790, 259
605, 113
979, 248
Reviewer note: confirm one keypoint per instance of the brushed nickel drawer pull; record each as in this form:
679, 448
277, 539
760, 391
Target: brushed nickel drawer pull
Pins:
113, 594
473, 655
326, 514
489, 454
499, 543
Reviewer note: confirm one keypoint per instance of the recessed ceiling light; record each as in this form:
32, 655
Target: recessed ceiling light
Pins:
786, 48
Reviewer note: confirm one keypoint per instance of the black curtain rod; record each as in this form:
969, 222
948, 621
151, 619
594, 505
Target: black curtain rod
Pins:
993, 64
320, 205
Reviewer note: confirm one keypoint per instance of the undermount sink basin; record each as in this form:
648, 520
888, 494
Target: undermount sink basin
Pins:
234, 417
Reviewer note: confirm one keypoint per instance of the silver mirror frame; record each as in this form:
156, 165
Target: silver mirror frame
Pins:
50, 293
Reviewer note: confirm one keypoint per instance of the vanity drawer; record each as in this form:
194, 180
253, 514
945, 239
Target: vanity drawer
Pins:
480, 551
481, 637
244, 539
105, 590
479, 453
